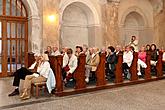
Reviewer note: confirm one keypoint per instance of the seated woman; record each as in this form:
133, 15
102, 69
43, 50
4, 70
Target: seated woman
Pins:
22, 72
69, 66
127, 61
141, 61
78, 51
48, 50
40, 76
111, 62
154, 57
148, 48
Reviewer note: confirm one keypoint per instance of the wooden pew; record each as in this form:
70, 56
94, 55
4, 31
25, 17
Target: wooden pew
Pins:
79, 73
159, 65
133, 68
31, 59
148, 69
58, 73
100, 72
118, 71
56, 65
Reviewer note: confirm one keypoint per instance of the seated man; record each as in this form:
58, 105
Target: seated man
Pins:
55, 51
69, 66
92, 62
22, 72
127, 61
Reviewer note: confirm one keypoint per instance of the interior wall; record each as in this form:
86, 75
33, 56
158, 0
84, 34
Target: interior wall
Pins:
74, 26
144, 9
83, 27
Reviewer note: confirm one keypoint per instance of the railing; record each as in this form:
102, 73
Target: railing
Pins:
101, 83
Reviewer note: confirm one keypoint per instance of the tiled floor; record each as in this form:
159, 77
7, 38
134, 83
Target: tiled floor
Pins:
148, 96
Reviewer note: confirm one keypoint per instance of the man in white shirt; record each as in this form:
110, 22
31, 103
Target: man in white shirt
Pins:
22, 73
55, 51
134, 43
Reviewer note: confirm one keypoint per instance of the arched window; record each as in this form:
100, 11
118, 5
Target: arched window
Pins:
13, 36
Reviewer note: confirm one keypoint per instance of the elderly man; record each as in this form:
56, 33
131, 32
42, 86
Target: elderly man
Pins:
22, 73
92, 62
55, 51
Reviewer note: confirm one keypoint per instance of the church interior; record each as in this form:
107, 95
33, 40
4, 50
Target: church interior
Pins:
29, 29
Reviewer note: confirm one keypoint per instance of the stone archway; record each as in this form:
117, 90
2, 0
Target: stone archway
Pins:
135, 23
133, 26
78, 21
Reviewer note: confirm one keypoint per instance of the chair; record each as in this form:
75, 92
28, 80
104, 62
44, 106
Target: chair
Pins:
38, 86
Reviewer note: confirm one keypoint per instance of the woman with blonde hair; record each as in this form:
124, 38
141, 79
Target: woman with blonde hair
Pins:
40, 76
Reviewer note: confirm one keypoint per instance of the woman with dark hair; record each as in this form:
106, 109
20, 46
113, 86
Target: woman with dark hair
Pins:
148, 48
79, 50
154, 57
111, 62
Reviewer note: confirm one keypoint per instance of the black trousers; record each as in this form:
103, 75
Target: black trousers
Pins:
20, 74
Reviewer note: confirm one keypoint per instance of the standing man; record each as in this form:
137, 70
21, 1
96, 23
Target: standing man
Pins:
134, 43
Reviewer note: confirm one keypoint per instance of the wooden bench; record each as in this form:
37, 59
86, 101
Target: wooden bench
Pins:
101, 83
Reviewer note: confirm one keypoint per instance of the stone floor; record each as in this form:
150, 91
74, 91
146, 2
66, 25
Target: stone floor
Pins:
148, 96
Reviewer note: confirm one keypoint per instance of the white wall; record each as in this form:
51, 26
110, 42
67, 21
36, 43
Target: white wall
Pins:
145, 10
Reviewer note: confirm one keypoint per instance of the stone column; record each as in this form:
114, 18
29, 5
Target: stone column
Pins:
35, 26
110, 22
50, 28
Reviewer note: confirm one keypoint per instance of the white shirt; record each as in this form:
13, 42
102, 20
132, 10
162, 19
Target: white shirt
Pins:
56, 53
43, 69
163, 58
65, 60
33, 65
72, 63
135, 45
127, 58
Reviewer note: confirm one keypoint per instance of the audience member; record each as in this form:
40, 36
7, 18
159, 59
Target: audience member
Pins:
55, 51
23, 72
70, 66
40, 76
127, 61
111, 62
92, 62
48, 50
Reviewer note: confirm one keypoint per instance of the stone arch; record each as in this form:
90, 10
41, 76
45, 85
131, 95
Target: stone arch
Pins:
85, 10
137, 10
66, 3
142, 26
35, 26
